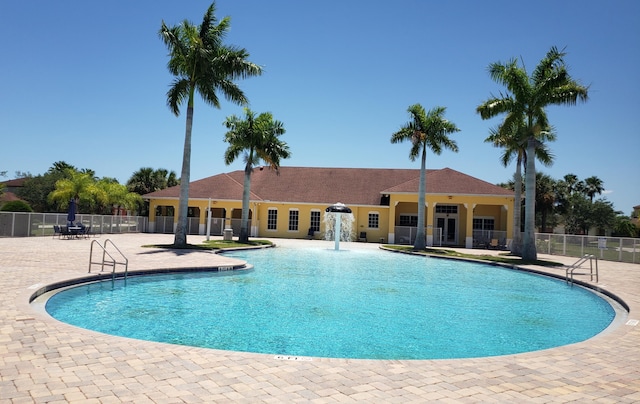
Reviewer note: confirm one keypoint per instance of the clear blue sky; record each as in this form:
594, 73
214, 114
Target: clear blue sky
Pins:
85, 82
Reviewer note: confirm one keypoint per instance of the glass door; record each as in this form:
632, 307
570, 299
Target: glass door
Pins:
449, 229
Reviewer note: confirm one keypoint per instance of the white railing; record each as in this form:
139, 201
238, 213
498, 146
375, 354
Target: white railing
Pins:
28, 224
605, 248
166, 224
482, 238
407, 235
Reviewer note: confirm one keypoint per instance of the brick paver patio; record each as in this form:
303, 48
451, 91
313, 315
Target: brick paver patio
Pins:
46, 361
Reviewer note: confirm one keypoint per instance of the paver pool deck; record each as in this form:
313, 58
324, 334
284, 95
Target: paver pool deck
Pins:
44, 360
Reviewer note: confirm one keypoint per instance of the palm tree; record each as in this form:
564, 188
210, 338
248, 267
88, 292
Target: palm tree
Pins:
545, 197
143, 181
512, 139
258, 138
593, 187
166, 178
113, 194
147, 180
525, 102
571, 182
569, 186
79, 186
201, 62
426, 130
62, 167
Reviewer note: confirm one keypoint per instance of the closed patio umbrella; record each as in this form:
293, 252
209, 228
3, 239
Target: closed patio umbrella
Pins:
71, 215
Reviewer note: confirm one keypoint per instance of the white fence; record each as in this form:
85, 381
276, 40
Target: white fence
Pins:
407, 235
607, 248
19, 224
27, 224
166, 224
482, 238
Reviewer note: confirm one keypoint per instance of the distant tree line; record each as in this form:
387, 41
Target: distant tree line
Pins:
53, 190
569, 202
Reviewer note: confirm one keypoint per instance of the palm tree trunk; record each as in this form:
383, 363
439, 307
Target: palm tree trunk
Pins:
516, 244
181, 229
529, 241
244, 223
420, 242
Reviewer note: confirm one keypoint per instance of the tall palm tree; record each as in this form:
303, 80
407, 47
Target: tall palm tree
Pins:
425, 130
201, 63
258, 138
593, 186
525, 101
512, 138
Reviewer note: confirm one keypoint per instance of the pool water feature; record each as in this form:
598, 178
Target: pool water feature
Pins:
343, 304
338, 222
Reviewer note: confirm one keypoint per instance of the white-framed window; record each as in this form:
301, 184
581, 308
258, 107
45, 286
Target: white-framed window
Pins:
294, 216
483, 223
374, 220
272, 219
409, 220
449, 209
315, 220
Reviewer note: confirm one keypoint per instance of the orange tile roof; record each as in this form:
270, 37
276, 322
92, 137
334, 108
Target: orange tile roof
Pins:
356, 186
9, 197
18, 182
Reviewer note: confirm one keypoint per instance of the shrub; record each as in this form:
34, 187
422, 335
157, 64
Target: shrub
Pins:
16, 206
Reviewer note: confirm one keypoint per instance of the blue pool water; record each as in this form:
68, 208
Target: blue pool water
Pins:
343, 304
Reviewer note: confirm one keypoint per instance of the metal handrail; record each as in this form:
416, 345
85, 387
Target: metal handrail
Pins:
569, 273
111, 262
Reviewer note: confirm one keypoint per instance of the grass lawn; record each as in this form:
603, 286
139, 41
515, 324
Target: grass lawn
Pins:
505, 258
214, 245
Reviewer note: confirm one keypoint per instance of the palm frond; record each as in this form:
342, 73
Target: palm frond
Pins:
177, 94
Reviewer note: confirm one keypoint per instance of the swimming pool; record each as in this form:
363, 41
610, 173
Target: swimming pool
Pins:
343, 304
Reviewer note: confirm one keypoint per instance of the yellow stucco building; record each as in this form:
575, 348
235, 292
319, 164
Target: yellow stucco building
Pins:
461, 210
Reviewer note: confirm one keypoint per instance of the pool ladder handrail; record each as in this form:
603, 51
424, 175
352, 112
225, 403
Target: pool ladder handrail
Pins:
571, 268
111, 261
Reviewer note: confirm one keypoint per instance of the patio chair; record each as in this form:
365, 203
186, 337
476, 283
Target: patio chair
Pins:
56, 231
363, 236
493, 245
64, 231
